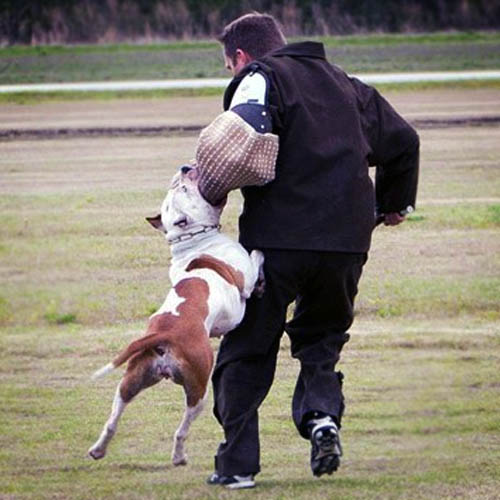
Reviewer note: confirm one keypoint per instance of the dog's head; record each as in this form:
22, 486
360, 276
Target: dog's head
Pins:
184, 208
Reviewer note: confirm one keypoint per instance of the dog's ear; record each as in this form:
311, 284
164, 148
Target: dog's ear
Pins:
156, 223
193, 174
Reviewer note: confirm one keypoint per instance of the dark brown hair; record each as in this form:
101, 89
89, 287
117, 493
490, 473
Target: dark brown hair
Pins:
255, 33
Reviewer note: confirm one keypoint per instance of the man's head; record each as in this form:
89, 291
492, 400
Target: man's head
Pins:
249, 37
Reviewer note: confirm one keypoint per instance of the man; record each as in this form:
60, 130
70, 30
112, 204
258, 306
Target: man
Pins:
313, 224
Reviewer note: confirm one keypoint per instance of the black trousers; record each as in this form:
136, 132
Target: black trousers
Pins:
324, 285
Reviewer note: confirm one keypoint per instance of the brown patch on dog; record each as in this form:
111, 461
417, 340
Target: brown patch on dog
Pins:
185, 339
226, 271
139, 375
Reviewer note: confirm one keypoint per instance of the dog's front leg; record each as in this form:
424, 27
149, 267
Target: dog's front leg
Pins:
99, 449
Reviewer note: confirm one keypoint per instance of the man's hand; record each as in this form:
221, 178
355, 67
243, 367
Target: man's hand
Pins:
393, 219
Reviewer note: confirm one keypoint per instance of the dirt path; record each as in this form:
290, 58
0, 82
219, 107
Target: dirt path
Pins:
425, 109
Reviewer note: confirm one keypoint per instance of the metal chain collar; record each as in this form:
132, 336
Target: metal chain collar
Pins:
188, 236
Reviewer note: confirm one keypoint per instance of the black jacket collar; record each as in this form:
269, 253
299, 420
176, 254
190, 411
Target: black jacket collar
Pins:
301, 49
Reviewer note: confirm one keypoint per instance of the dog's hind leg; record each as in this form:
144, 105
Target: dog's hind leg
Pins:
194, 381
140, 374
98, 450
179, 456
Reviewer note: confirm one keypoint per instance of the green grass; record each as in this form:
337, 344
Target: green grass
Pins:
81, 271
459, 216
371, 39
33, 98
202, 59
418, 38
421, 420
119, 247
449, 264
48, 50
39, 97
60, 318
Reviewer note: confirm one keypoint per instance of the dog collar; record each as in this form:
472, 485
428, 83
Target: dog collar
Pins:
188, 236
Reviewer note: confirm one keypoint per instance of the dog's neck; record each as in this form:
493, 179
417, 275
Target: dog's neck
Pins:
192, 237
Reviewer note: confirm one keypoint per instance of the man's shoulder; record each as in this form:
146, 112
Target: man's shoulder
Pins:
252, 89
250, 85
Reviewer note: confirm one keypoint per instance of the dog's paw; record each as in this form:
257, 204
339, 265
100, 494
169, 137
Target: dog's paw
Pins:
180, 460
97, 453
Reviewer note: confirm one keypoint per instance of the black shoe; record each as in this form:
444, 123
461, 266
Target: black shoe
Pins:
326, 449
232, 482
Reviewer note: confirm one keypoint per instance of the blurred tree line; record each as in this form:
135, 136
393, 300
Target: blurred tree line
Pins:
100, 21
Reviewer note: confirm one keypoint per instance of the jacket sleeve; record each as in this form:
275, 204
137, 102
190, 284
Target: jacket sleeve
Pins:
250, 101
393, 150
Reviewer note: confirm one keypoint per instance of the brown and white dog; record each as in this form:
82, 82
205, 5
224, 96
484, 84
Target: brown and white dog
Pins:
211, 276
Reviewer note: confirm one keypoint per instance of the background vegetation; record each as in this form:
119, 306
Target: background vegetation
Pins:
98, 21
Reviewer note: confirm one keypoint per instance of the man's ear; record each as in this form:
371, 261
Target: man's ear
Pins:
156, 223
242, 56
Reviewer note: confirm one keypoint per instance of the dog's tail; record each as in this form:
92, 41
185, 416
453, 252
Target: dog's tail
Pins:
147, 342
103, 371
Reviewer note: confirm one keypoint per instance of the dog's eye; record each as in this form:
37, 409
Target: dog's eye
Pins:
159, 350
184, 189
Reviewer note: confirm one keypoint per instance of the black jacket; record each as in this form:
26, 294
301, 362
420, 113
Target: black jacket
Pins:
331, 128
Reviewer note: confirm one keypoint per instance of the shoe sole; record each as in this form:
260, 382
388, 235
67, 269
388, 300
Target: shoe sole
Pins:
327, 465
327, 459
240, 485
214, 480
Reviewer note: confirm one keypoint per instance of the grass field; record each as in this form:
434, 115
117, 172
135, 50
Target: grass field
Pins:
81, 270
370, 53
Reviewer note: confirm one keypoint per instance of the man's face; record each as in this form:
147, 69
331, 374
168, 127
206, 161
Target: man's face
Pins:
241, 59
